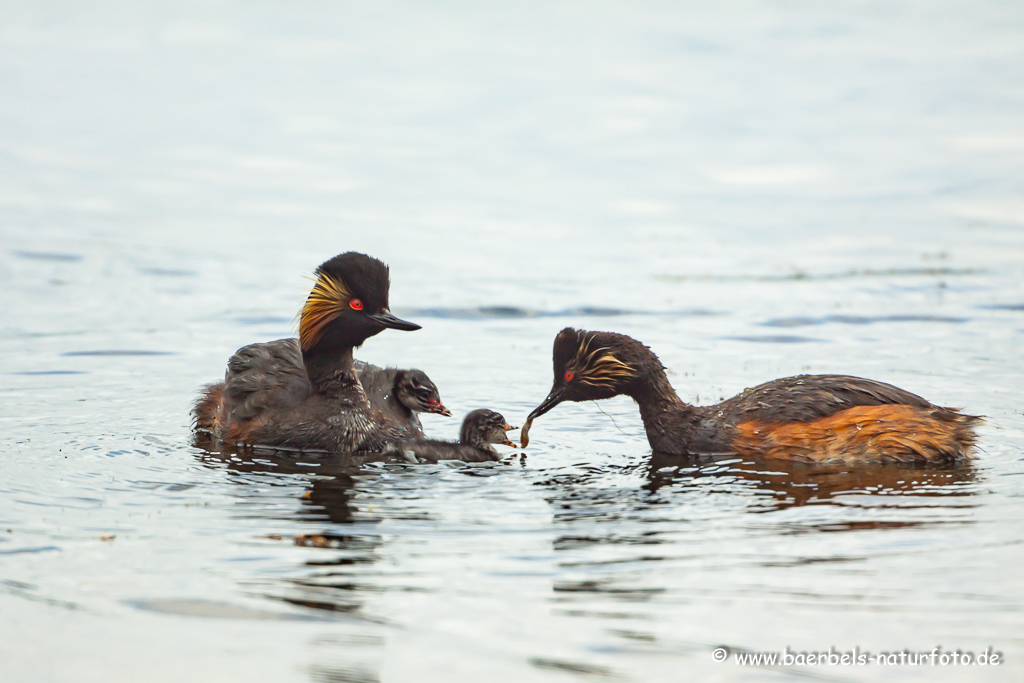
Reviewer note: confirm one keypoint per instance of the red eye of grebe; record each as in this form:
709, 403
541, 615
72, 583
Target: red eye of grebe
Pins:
569, 375
356, 304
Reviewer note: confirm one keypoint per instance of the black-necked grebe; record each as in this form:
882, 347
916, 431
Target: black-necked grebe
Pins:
815, 418
400, 394
267, 400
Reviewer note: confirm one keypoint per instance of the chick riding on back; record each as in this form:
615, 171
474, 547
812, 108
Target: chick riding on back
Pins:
401, 394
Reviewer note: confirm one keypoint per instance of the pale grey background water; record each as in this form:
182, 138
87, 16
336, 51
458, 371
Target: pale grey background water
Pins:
754, 189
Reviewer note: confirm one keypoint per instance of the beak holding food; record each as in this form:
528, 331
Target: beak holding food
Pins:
553, 399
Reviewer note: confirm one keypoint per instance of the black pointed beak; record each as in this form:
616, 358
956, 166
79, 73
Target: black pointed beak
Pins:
553, 399
388, 319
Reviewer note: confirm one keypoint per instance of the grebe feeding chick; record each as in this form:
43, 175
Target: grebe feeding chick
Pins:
815, 418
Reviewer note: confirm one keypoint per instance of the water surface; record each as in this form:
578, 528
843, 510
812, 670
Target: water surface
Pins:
753, 189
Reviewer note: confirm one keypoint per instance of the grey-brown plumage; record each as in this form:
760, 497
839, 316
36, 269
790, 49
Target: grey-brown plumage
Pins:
271, 375
480, 429
309, 396
401, 394
264, 377
807, 417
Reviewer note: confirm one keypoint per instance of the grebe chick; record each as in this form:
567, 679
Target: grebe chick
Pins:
401, 394
816, 418
480, 429
267, 400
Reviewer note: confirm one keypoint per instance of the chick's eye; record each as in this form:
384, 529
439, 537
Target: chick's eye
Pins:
356, 305
568, 375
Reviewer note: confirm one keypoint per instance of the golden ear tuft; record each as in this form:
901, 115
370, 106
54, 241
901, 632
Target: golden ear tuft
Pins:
326, 300
598, 367
605, 369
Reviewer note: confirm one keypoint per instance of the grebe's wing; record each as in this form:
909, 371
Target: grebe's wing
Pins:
805, 398
267, 376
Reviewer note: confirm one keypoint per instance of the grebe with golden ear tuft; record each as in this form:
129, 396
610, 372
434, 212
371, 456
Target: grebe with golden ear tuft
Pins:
268, 399
815, 418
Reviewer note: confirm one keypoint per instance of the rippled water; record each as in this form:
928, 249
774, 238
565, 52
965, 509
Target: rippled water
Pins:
753, 189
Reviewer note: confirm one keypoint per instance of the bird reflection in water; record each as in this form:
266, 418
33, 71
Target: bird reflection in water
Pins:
331, 478
330, 488
792, 484
769, 484
333, 581
680, 512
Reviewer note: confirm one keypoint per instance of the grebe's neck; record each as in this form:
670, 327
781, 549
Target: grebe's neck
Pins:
667, 419
332, 373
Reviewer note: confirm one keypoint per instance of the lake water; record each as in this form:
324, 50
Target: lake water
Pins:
753, 189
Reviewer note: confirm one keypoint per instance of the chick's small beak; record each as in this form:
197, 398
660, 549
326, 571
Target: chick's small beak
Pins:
435, 406
508, 428
507, 442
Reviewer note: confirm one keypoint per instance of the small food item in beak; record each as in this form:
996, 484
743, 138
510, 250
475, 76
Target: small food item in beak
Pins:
524, 433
